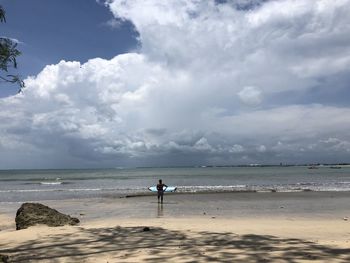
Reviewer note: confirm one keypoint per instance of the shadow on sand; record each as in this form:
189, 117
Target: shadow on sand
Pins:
120, 244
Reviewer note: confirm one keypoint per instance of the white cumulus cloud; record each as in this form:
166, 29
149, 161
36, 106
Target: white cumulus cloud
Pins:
178, 100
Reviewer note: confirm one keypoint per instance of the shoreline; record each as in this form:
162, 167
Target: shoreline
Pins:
204, 192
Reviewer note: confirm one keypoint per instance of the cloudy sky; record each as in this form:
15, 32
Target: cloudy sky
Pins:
177, 82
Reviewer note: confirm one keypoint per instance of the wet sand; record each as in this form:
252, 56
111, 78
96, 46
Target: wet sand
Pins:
225, 227
327, 205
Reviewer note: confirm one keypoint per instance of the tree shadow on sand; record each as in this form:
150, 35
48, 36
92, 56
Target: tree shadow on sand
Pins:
120, 244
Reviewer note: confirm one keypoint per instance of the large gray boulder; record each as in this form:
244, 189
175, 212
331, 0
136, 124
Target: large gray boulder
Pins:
30, 214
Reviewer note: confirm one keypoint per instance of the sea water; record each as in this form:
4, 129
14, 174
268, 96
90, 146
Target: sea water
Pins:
36, 185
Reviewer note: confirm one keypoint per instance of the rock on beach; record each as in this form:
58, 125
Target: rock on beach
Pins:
30, 214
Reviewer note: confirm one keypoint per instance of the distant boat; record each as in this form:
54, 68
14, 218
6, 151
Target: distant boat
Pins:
312, 167
335, 167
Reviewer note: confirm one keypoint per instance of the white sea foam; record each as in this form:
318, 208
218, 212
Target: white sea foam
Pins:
48, 190
50, 183
212, 188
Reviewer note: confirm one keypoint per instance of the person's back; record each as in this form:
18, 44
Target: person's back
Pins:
160, 189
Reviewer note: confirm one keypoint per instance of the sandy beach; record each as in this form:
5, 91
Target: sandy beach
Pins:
225, 227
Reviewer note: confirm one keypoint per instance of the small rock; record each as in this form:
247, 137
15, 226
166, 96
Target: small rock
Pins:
281, 206
204, 213
145, 229
311, 256
213, 217
346, 218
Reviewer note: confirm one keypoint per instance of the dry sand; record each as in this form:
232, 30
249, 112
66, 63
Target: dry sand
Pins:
189, 238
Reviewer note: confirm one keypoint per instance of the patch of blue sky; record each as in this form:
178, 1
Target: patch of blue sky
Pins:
50, 31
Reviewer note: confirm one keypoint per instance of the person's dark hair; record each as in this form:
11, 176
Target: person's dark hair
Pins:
160, 181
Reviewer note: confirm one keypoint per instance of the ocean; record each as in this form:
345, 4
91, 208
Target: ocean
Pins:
38, 185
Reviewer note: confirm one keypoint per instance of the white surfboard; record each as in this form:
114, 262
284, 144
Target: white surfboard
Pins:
165, 189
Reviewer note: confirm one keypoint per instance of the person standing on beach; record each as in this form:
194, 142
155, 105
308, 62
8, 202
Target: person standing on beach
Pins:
160, 190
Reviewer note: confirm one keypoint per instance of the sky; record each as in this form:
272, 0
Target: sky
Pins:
129, 83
